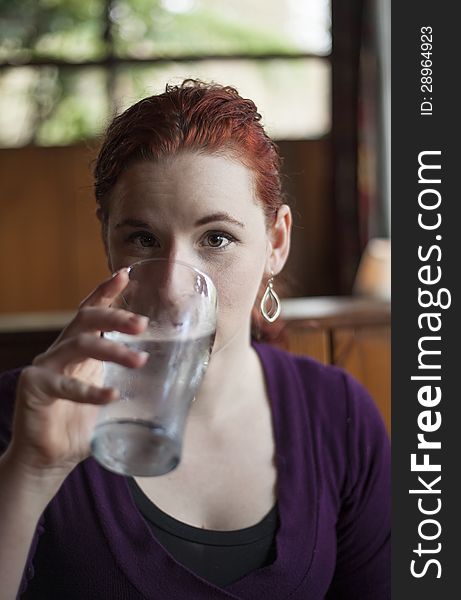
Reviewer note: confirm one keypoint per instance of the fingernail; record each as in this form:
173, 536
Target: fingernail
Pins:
139, 320
144, 355
119, 271
109, 393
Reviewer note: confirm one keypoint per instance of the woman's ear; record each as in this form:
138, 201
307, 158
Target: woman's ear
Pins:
102, 218
279, 235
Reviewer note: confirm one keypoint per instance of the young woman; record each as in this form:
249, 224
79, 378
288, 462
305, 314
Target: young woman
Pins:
283, 488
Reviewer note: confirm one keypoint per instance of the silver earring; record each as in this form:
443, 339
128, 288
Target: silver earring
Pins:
270, 303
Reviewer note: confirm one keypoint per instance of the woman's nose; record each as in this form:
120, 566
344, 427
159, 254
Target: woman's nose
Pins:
172, 278
179, 250
176, 290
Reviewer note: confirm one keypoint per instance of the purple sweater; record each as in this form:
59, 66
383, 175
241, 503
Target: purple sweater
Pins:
333, 465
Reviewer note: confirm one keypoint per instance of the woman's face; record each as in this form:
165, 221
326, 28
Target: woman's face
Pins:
201, 210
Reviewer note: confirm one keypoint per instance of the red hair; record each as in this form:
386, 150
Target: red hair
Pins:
192, 116
199, 117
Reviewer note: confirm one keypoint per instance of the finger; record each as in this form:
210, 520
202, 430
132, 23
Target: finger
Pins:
108, 290
102, 296
91, 319
87, 346
43, 386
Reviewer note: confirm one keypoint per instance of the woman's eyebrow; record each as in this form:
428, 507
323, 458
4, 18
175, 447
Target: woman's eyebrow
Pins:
132, 223
222, 216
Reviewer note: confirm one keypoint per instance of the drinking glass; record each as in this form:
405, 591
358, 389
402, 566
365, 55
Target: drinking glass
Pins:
141, 433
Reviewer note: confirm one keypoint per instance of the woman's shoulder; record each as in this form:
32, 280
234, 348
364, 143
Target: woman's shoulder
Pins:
332, 393
8, 384
312, 371
344, 416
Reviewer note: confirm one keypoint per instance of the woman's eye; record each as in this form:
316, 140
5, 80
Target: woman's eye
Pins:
218, 240
142, 238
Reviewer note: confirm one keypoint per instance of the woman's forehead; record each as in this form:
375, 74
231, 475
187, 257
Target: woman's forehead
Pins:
187, 182
209, 170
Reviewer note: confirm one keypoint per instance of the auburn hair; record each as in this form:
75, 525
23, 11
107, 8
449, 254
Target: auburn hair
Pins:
196, 116
200, 117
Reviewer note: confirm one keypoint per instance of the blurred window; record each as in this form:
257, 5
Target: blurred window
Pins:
67, 65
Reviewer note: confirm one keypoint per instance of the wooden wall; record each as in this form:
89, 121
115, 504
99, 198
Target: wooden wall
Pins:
310, 270
50, 254
50, 251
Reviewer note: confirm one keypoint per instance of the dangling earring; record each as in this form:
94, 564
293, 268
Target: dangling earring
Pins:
270, 303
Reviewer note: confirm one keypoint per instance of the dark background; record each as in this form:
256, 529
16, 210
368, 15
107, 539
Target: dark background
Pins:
410, 135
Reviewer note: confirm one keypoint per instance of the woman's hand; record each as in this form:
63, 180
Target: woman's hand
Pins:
59, 396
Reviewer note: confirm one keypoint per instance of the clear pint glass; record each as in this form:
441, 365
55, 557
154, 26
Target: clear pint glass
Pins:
141, 433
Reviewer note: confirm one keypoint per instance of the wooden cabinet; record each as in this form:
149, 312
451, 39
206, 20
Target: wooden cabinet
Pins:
351, 333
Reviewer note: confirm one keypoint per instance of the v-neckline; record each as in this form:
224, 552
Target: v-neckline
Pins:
128, 534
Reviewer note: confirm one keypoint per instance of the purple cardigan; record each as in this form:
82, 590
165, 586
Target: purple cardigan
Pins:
333, 465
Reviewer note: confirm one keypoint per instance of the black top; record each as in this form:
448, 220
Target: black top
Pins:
220, 557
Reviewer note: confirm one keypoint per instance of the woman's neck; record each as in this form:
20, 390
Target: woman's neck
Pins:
228, 381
